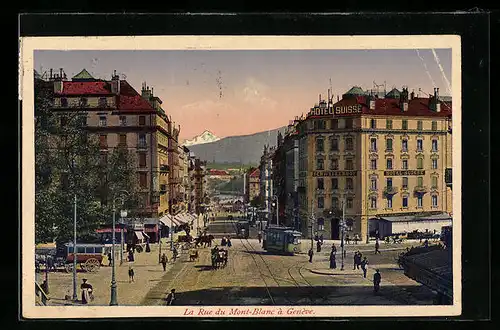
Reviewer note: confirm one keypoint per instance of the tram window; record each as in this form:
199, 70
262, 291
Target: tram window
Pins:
89, 250
70, 250
98, 250
80, 249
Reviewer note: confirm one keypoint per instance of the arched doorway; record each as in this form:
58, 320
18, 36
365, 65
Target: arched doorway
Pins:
335, 227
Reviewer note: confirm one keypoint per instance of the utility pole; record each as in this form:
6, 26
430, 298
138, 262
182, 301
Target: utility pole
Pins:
113, 301
75, 296
342, 237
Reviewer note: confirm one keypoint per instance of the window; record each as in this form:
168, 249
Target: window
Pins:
103, 102
142, 120
373, 123
434, 182
83, 102
389, 182
420, 163
335, 183
404, 145
143, 180
434, 125
405, 201
404, 124
335, 203
373, 202
102, 121
405, 183
142, 159
373, 144
434, 145
348, 144
389, 163
334, 164
320, 163
373, 185
334, 124
64, 102
320, 145
348, 165
142, 140
122, 139
321, 223
388, 124
63, 121
321, 202
349, 203
405, 164
420, 144
349, 183
434, 164
388, 145
320, 183
80, 249
420, 181
334, 145
123, 120
373, 164
319, 124
348, 123
419, 125
389, 201
434, 201
103, 141
419, 201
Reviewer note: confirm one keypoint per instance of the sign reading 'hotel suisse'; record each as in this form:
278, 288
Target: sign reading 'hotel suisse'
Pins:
334, 173
336, 111
404, 172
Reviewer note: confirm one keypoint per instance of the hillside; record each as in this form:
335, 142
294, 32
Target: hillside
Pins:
244, 149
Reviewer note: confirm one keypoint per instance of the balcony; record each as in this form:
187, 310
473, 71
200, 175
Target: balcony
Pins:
420, 190
390, 190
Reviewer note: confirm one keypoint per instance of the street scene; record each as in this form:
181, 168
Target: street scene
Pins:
176, 180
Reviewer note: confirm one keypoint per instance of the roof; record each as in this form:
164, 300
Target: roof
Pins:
255, 173
83, 75
130, 100
413, 218
393, 94
214, 171
76, 88
355, 91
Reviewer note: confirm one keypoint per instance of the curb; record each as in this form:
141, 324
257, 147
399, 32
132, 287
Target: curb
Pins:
330, 274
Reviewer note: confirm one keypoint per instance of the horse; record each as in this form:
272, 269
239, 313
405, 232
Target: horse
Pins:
193, 255
206, 240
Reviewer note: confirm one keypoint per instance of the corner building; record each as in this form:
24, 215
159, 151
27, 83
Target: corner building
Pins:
381, 156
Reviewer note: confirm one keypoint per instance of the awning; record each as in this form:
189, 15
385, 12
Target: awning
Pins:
180, 219
168, 220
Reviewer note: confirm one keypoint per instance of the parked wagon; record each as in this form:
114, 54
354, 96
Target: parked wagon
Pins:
89, 256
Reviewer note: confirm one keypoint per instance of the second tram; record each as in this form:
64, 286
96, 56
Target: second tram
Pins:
280, 239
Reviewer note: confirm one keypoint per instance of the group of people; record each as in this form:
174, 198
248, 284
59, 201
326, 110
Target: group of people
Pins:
217, 254
226, 241
355, 238
360, 261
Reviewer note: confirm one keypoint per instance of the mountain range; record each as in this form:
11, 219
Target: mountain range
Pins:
244, 149
205, 137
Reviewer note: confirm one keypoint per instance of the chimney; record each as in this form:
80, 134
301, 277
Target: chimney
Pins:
115, 84
60, 73
403, 99
50, 74
412, 95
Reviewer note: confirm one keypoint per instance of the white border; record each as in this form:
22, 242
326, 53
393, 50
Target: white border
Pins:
29, 44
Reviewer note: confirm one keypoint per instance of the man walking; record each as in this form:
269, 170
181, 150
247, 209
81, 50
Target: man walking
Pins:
130, 274
364, 262
311, 253
355, 260
171, 297
164, 261
109, 258
377, 247
376, 281
318, 246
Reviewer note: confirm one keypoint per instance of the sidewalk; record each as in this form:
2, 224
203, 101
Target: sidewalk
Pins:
148, 271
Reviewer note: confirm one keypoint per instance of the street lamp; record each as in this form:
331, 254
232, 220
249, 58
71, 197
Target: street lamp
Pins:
114, 301
342, 237
275, 198
123, 214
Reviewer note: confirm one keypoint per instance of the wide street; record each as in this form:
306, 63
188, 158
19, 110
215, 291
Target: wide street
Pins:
255, 277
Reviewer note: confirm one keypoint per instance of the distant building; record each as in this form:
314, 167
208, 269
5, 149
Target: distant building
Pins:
252, 184
219, 175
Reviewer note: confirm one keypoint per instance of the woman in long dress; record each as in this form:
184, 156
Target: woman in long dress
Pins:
333, 263
86, 292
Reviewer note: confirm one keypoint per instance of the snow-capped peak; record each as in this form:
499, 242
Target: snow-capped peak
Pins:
205, 137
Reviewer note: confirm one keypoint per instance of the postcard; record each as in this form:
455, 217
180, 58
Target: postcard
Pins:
241, 176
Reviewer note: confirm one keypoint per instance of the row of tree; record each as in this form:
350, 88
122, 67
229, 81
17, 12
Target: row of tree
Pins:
69, 163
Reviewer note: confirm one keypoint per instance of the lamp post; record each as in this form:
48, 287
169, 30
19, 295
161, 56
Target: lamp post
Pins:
342, 237
275, 198
75, 296
123, 214
159, 242
114, 301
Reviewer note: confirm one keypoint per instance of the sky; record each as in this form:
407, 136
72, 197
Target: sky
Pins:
247, 91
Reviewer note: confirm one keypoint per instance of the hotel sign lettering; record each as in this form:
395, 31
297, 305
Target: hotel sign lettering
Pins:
404, 172
334, 173
334, 111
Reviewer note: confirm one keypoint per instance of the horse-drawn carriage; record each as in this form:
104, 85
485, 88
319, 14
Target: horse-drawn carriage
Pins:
205, 240
89, 256
219, 258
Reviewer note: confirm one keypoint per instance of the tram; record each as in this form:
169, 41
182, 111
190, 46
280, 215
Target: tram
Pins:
242, 229
280, 239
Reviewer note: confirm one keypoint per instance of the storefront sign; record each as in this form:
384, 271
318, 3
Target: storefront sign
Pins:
335, 111
404, 172
334, 173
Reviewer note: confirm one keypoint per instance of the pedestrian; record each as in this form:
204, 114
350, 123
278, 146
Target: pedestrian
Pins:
130, 274
50, 263
171, 297
426, 243
148, 248
223, 241
131, 255
229, 244
334, 248
164, 261
321, 238
355, 260
356, 238
377, 246
364, 262
318, 246
311, 253
345, 253
109, 258
87, 289
347, 238
174, 254
259, 236
376, 281
333, 263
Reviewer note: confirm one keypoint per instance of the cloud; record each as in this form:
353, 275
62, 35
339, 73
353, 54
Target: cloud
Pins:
207, 106
255, 92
